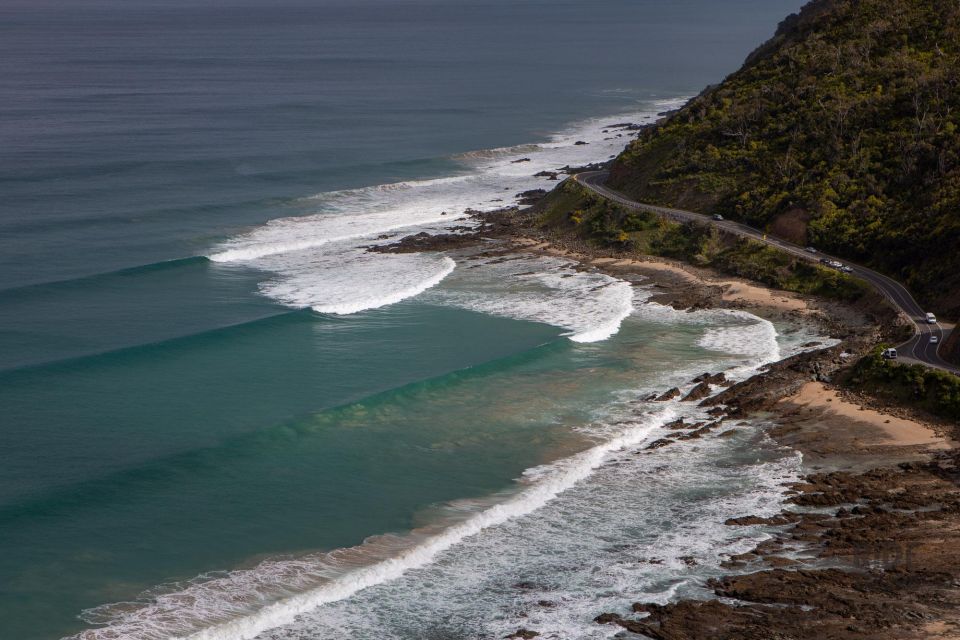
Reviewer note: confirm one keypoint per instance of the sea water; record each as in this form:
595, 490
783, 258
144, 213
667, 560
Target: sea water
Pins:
222, 417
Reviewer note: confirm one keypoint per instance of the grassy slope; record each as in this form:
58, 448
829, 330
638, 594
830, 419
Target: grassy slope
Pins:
841, 131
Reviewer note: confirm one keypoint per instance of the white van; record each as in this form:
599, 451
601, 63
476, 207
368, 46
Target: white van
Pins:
890, 354
931, 319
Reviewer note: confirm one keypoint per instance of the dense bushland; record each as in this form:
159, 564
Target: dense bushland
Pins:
841, 131
936, 391
573, 209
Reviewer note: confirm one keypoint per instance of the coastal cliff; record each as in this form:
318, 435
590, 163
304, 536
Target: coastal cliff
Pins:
840, 131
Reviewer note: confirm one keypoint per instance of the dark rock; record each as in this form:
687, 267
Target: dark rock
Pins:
520, 160
670, 394
593, 166
711, 378
645, 607
657, 444
533, 196
699, 392
696, 435
553, 175
783, 518
780, 561
580, 143
524, 634
608, 618
427, 242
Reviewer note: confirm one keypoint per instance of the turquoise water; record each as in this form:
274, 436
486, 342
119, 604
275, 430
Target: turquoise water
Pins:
201, 368
198, 478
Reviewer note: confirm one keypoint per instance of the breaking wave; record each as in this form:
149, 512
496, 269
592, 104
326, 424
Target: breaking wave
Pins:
652, 520
319, 261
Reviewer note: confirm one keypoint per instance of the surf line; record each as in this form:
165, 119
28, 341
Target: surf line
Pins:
567, 473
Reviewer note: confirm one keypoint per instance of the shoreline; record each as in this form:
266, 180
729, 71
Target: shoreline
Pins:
853, 456
858, 530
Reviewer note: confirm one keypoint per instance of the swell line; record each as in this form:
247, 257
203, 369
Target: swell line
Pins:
73, 361
65, 283
248, 445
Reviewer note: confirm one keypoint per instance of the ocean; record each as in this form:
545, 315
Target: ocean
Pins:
221, 417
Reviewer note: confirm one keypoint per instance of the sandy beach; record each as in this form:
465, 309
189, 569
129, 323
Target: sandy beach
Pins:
868, 548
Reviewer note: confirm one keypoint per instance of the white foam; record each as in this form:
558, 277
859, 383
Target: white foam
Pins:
318, 284
292, 235
756, 341
298, 249
590, 306
316, 262
626, 533
582, 526
233, 607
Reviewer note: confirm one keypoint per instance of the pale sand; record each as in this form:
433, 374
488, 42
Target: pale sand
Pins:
734, 290
942, 630
825, 404
749, 294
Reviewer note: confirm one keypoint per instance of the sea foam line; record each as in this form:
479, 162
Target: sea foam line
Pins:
293, 248
241, 254
172, 615
612, 325
448, 265
226, 603
570, 472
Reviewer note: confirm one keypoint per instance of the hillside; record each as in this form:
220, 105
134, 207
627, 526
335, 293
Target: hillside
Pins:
840, 132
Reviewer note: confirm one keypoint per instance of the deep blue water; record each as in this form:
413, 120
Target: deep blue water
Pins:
159, 417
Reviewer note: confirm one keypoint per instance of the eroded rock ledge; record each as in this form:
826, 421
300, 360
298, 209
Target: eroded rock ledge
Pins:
892, 536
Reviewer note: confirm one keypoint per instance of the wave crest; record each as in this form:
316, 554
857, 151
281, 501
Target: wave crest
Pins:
240, 605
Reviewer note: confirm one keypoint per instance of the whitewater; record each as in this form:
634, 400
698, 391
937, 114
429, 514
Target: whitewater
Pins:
459, 566
320, 261
569, 511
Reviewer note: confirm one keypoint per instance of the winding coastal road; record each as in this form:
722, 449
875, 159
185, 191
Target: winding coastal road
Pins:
918, 349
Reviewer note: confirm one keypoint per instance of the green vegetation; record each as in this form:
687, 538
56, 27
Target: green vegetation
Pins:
841, 131
573, 209
933, 390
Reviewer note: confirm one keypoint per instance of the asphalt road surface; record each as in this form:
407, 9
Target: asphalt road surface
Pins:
918, 349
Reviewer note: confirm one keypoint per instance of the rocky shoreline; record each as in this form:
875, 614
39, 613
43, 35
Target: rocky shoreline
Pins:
870, 545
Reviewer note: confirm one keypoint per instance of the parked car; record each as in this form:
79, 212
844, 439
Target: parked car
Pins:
717, 216
824, 261
846, 269
931, 319
934, 339
890, 354
811, 250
